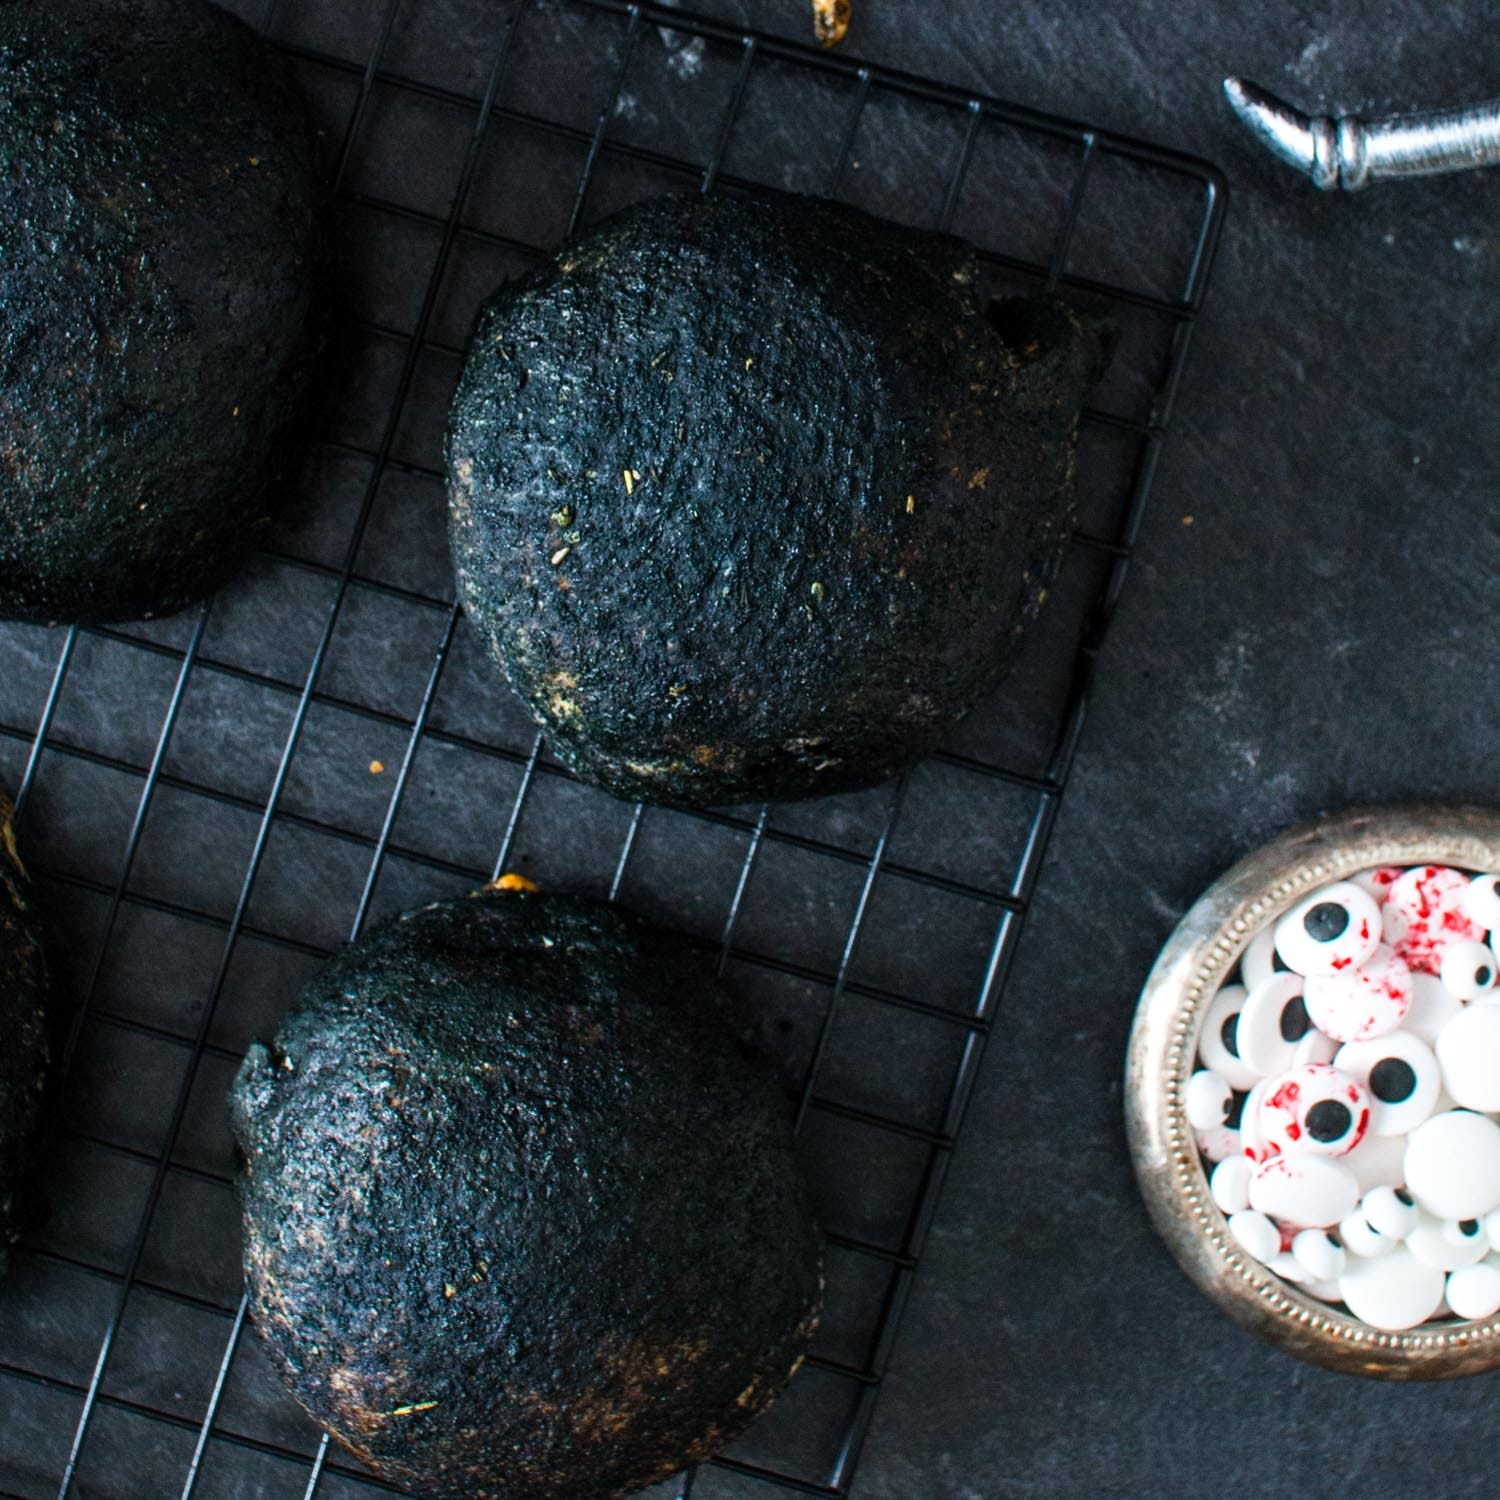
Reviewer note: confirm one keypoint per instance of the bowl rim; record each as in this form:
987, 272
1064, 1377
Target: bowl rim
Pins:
1195, 961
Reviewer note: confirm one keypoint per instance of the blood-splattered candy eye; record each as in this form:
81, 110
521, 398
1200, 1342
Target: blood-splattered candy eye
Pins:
1360, 1003
1468, 968
1401, 1075
1314, 1109
1481, 902
1424, 913
1334, 929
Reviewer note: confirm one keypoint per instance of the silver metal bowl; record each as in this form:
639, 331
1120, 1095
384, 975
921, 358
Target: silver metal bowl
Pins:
1197, 959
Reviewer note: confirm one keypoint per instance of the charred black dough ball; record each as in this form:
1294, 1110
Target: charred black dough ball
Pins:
157, 318
521, 1212
754, 498
23, 1021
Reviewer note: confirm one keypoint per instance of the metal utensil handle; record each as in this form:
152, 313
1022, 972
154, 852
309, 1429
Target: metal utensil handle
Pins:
1349, 153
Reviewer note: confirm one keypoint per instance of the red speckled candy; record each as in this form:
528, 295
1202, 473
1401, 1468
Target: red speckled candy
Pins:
1361, 1003
1313, 1110
1306, 1192
1424, 912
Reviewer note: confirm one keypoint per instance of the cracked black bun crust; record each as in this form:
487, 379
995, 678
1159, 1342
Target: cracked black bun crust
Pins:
157, 302
754, 499
521, 1212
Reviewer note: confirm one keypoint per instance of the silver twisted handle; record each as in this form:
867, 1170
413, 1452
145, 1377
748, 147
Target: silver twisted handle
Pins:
1347, 152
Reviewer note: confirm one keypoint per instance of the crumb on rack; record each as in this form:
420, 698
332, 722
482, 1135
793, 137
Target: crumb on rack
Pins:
830, 21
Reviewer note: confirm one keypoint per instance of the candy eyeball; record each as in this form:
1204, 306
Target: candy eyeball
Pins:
1390, 1211
1377, 882
1207, 1099
1321, 1254
1312, 1190
1219, 1046
1360, 1237
1392, 1291
1219, 1144
1333, 930
1424, 913
1453, 1165
1474, 1291
1469, 1051
1258, 962
1400, 1074
1432, 1007
1274, 1019
1229, 1184
1467, 968
1256, 1235
1361, 1003
1444, 1246
1315, 1110
1481, 902
1347, 1100
1466, 1232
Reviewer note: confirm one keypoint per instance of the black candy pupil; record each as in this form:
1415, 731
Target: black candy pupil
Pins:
1392, 1079
1295, 1022
1469, 1228
1402, 1196
1230, 1034
1481, 975
1327, 1120
1325, 921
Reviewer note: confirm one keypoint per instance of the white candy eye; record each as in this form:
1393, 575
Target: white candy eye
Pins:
1321, 1254
1251, 1135
1360, 1003
1229, 1184
1389, 1211
1256, 1234
1424, 913
1433, 1244
1466, 1233
1206, 1099
1359, 1237
1258, 961
1401, 1076
1474, 1291
1392, 1291
1467, 968
1273, 1021
1492, 1228
1288, 1267
1432, 1007
1218, 1046
1469, 1050
1315, 1110
1453, 1165
1220, 1144
1306, 1191
1481, 902
1334, 929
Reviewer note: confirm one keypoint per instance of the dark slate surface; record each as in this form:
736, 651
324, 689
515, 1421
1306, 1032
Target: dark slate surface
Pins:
1322, 633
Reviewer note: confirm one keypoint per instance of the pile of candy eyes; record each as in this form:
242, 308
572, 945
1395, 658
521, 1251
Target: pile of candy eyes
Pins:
1349, 1093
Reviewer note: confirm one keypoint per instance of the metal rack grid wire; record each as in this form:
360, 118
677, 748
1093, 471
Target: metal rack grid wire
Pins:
207, 807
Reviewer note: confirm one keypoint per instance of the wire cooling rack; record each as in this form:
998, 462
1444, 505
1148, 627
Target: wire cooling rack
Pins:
213, 803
